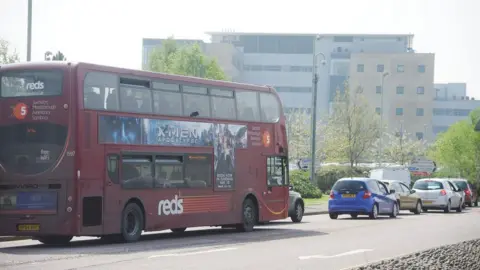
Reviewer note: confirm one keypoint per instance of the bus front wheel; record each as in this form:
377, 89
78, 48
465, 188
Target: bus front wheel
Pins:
132, 223
249, 216
54, 240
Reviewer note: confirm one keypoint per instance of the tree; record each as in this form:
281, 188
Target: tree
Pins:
7, 56
457, 150
352, 128
187, 60
401, 146
298, 134
59, 56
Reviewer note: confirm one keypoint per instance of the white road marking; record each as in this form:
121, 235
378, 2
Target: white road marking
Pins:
334, 256
192, 253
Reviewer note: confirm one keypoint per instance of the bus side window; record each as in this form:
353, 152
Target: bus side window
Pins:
99, 91
269, 107
112, 168
247, 106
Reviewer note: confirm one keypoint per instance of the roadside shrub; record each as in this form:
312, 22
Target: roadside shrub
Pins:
328, 175
301, 184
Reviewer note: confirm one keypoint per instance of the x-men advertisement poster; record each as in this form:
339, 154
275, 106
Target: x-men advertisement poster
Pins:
224, 138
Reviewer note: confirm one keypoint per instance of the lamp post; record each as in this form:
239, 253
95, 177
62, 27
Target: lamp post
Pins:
29, 31
314, 109
380, 151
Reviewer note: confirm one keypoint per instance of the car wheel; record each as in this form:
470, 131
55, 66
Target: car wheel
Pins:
425, 210
418, 208
333, 216
460, 207
354, 215
298, 216
394, 211
374, 213
448, 208
468, 204
476, 203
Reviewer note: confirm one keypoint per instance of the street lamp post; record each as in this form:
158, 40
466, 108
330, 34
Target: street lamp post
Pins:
29, 31
314, 112
380, 151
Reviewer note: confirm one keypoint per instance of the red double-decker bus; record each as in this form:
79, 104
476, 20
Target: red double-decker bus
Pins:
90, 150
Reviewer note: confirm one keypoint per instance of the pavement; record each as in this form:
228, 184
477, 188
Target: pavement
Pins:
316, 243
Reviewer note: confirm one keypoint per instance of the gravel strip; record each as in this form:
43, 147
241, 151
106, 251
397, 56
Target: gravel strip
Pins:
461, 256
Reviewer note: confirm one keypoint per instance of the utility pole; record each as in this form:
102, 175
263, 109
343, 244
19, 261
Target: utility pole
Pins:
29, 32
380, 150
314, 109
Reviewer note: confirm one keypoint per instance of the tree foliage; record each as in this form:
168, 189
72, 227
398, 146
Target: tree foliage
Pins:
457, 150
7, 56
352, 128
186, 60
298, 133
59, 56
400, 147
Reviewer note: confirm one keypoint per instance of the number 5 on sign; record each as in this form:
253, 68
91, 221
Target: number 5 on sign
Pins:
20, 111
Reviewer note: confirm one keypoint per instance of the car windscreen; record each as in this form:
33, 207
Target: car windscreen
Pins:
428, 185
349, 185
461, 184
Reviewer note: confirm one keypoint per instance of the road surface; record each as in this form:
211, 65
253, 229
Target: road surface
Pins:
317, 243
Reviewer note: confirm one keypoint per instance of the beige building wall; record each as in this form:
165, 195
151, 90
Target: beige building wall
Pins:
410, 72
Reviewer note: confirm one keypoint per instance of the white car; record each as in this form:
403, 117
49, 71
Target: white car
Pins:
440, 194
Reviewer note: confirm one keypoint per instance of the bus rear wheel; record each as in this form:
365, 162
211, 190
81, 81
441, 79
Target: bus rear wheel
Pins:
132, 223
54, 240
249, 216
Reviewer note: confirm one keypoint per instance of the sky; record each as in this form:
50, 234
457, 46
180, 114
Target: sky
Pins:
110, 32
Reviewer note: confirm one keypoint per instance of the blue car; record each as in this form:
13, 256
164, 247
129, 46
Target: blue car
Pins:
361, 196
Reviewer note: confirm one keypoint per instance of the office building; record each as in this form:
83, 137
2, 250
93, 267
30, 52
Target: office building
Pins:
404, 81
451, 104
285, 61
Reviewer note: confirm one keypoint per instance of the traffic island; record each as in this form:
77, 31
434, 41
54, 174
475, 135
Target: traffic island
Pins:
461, 256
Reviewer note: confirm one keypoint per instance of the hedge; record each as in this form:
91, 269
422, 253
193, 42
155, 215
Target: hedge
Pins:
301, 184
328, 175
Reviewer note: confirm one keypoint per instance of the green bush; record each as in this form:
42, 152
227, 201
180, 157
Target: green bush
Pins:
328, 175
301, 184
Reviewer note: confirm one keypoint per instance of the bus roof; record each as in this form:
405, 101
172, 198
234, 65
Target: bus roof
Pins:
140, 73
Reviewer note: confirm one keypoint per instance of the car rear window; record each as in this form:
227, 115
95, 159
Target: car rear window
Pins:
428, 185
345, 185
461, 184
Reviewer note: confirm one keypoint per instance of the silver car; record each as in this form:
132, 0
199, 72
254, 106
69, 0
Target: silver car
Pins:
296, 206
440, 194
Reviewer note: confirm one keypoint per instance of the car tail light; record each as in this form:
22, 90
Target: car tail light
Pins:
443, 192
467, 192
331, 194
367, 194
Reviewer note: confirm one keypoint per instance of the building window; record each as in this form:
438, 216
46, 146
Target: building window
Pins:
380, 68
399, 111
378, 110
420, 90
400, 90
419, 111
419, 135
360, 68
400, 68
379, 89
421, 68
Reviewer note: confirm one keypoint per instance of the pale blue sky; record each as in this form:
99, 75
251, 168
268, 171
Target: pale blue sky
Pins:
110, 31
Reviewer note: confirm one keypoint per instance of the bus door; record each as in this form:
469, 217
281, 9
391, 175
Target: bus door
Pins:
276, 194
111, 208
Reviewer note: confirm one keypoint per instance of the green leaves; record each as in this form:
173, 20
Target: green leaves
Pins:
457, 150
352, 129
299, 133
185, 60
6, 55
